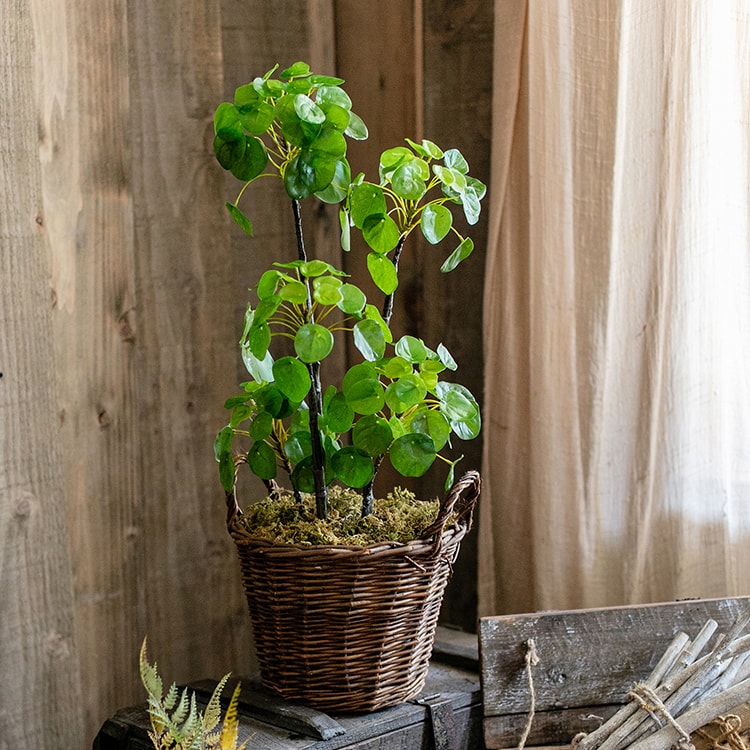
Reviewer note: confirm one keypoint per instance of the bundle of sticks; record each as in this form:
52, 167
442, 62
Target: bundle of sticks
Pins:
685, 691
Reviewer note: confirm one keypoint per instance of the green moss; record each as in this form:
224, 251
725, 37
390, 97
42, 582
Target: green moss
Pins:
399, 517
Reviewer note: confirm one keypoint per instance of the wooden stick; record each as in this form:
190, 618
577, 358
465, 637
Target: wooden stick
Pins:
676, 650
697, 717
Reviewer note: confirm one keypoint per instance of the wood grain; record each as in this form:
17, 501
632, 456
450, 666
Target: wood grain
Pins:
38, 650
589, 659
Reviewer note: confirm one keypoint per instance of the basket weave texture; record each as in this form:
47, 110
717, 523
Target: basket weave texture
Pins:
350, 629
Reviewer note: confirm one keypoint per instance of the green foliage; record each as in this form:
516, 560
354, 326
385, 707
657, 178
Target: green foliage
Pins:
396, 401
176, 721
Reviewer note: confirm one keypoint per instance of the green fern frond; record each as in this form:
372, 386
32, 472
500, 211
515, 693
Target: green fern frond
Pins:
176, 722
150, 676
212, 714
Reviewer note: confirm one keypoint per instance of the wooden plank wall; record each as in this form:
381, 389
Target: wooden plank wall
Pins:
120, 307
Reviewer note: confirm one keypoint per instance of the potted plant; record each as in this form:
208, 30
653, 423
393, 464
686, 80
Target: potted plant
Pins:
342, 618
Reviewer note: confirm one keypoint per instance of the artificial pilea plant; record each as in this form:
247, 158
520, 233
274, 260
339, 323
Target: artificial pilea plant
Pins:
394, 402
176, 721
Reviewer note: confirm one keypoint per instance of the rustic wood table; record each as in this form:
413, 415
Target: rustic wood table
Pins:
447, 715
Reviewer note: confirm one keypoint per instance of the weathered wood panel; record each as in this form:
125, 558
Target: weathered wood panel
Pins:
87, 204
457, 72
38, 654
588, 661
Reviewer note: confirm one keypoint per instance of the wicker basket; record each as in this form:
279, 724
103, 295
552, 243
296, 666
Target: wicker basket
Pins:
350, 629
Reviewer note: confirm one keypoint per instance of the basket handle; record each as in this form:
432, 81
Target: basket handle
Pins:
234, 512
461, 500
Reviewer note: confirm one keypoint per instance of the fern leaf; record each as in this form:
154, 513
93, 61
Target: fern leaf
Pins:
212, 714
150, 675
230, 727
170, 699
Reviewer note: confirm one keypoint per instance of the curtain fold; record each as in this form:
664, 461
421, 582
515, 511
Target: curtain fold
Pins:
617, 305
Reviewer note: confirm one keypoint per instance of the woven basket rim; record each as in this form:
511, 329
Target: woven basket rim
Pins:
415, 546
465, 492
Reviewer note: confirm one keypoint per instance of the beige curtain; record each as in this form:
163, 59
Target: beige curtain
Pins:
617, 401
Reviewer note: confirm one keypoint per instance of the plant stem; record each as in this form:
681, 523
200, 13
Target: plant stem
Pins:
368, 491
388, 303
316, 392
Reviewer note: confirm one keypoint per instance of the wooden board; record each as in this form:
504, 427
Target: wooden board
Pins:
588, 660
404, 727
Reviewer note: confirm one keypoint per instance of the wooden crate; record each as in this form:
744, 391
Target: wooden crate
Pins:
588, 661
446, 716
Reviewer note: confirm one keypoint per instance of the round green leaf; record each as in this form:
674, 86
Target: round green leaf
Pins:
381, 233
434, 424
239, 218
408, 180
266, 308
446, 357
259, 339
246, 95
307, 110
360, 371
292, 378
411, 349
450, 178
397, 367
252, 161
302, 478
294, 291
298, 447
366, 200
356, 128
383, 272
412, 454
365, 396
313, 268
461, 253
336, 117
223, 442
313, 342
262, 461
240, 413
372, 435
227, 125
333, 96
352, 467
256, 117
337, 190
259, 369
353, 299
404, 393
454, 158
327, 290
460, 409
437, 221
226, 471
372, 313
261, 427
268, 284
471, 205
393, 158
338, 415
298, 69
369, 340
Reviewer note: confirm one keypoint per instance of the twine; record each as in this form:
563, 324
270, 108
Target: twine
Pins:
728, 737
532, 659
650, 702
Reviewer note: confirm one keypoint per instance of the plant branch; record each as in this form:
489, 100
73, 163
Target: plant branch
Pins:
316, 391
388, 303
